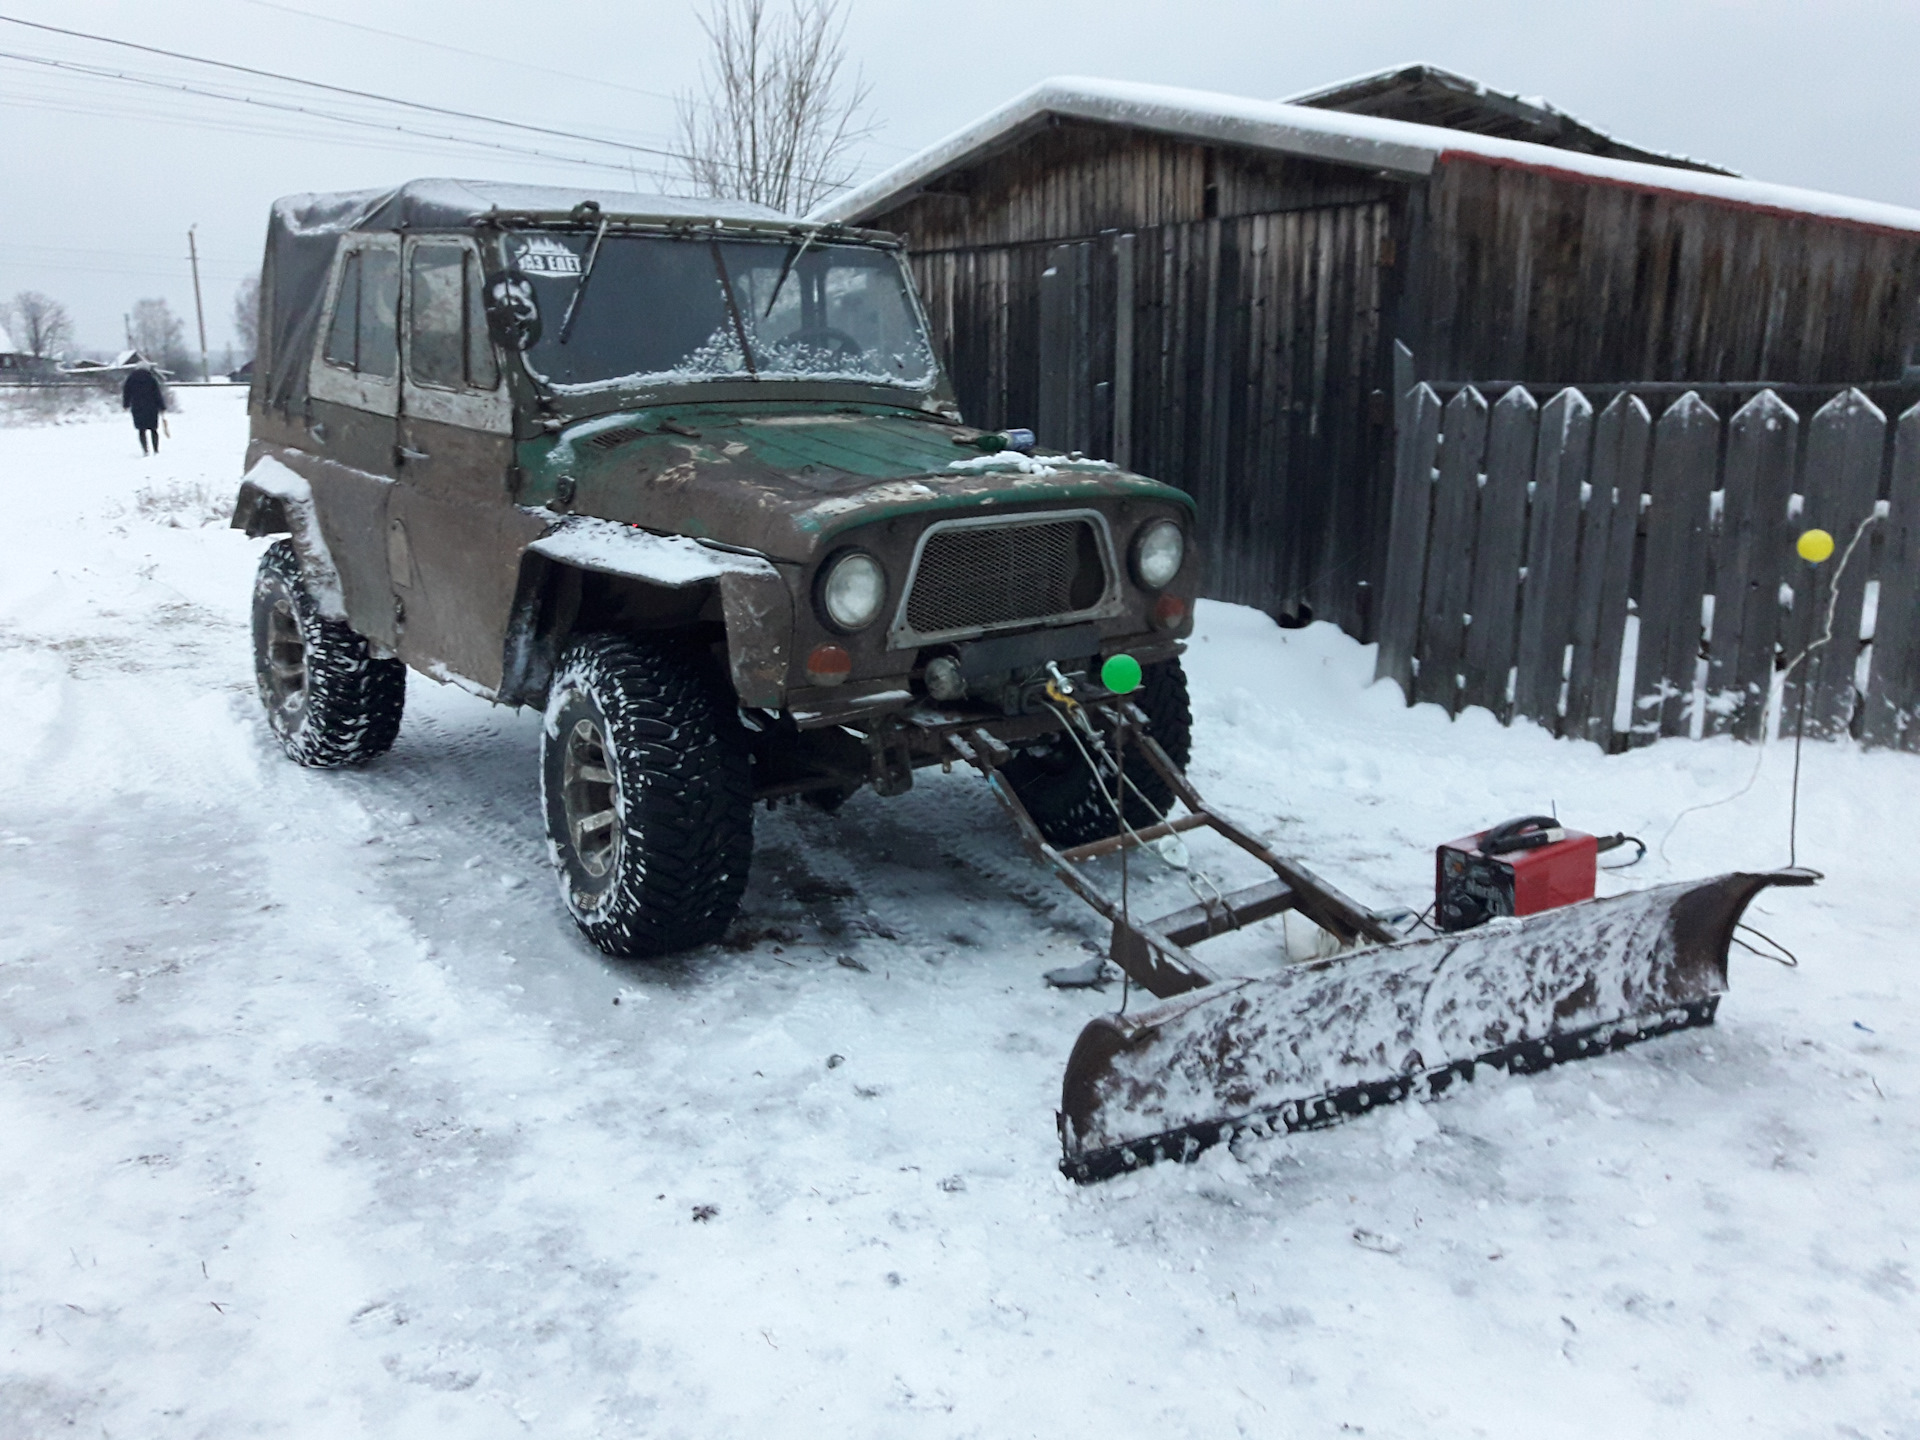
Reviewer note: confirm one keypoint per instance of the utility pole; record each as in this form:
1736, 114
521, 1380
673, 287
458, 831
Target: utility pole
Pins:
199, 310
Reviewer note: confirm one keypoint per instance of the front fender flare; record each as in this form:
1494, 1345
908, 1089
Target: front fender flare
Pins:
755, 599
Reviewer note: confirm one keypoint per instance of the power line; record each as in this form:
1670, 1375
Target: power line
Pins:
336, 89
380, 128
85, 72
569, 75
99, 72
401, 143
572, 76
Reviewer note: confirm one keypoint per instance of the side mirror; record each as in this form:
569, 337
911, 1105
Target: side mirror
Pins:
514, 310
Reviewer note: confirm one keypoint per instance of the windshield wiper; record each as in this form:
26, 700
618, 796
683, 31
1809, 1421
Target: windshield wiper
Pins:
580, 288
786, 269
733, 309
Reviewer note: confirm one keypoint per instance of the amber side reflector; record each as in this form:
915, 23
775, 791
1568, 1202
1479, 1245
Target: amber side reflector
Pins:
1169, 611
828, 664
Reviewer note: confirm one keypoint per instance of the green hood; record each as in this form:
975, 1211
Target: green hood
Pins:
783, 481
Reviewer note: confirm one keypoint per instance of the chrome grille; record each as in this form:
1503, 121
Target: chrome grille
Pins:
978, 577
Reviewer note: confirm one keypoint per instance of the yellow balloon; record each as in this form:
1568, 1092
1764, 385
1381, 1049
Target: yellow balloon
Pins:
1815, 546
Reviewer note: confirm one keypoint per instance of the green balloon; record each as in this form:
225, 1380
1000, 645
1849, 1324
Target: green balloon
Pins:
1121, 674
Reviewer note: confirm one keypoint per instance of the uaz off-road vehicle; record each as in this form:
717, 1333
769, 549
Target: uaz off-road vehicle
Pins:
689, 476
694, 483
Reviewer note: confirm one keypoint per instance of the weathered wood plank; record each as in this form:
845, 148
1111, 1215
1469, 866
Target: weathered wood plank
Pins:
1499, 547
1553, 535
1686, 443
1846, 440
1893, 685
1621, 439
1405, 575
1456, 495
1762, 446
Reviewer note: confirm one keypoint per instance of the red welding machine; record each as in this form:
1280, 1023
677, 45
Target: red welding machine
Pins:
1519, 868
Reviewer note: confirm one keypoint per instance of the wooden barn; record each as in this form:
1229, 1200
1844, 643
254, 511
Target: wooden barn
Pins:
1237, 295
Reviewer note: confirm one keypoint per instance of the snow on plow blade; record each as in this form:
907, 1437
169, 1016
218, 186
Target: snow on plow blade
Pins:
1323, 1042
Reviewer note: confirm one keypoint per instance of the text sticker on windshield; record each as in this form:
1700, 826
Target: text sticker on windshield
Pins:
543, 256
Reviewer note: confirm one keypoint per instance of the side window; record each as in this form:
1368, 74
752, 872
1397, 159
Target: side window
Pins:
343, 335
435, 314
361, 336
379, 313
483, 372
447, 343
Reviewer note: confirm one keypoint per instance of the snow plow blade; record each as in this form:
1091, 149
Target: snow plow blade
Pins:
1326, 1041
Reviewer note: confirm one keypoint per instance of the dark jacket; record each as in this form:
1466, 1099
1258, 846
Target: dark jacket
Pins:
142, 395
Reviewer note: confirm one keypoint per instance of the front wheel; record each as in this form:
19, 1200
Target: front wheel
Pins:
328, 700
1067, 800
648, 790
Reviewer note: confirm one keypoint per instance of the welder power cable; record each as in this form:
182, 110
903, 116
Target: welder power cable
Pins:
1760, 750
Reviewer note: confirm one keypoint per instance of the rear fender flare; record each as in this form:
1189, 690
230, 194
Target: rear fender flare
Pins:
274, 500
756, 602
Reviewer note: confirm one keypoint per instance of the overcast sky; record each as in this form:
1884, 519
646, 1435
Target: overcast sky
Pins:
100, 179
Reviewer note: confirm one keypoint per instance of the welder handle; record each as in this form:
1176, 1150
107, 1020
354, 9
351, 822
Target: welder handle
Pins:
1613, 842
1529, 832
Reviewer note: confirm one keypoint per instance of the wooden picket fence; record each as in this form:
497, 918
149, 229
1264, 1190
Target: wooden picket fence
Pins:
1535, 547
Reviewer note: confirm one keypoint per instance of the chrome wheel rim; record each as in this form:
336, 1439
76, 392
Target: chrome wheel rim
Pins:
591, 798
285, 666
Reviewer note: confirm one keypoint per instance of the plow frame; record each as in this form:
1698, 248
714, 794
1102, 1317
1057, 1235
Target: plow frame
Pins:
1156, 954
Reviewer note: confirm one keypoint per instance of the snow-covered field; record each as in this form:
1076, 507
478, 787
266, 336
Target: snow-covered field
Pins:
316, 1117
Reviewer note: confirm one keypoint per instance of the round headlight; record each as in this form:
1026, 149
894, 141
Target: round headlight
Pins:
1158, 552
853, 591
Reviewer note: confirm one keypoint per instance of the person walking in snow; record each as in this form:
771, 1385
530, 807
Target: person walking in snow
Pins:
143, 396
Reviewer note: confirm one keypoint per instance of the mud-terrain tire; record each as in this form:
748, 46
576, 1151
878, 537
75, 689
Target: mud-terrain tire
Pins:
647, 785
329, 702
1064, 796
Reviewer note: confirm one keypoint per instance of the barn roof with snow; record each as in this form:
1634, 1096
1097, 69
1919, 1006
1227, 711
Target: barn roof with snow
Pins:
1428, 95
1304, 129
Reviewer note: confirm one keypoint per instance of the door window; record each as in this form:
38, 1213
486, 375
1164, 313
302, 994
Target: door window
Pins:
447, 341
362, 335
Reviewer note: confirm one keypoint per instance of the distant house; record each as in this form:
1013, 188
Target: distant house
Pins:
17, 364
1229, 294
115, 369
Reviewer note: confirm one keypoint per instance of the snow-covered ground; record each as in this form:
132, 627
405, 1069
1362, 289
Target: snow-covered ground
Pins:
317, 1118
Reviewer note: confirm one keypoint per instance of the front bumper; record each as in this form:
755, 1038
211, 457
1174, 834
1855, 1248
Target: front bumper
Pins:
859, 702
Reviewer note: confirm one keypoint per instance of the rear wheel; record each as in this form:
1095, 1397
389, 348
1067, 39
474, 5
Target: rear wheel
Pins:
1066, 798
328, 700
648, 790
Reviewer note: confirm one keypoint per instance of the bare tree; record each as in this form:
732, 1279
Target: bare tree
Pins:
159, 335
40, 324
246, 316
781, 115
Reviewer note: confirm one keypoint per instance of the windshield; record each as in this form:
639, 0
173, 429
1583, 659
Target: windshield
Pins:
654, 309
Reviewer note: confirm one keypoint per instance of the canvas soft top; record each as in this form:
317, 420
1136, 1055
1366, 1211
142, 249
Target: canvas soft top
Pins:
304, 231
